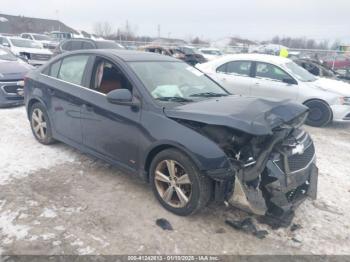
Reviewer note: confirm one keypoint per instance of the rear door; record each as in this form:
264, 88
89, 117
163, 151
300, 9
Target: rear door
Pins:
270, 82
64, 83
235, 76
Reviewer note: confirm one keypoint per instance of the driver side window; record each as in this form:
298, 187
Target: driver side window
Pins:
108, 77
265, 70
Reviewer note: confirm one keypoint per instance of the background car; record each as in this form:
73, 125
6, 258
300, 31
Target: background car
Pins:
29, 50
12, 72
321, 70
158, 117
84, 43
280, 78
337, 62
189, 54
186, 54
45, 40
210, 53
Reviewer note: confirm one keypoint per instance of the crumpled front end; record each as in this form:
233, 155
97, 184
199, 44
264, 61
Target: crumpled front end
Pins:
286, 176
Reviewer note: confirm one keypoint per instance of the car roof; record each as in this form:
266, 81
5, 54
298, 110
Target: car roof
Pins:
128, 55
257, 57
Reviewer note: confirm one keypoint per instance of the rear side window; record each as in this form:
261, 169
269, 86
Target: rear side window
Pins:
236, 68
72, 69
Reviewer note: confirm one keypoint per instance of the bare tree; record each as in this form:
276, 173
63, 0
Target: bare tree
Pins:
103, 29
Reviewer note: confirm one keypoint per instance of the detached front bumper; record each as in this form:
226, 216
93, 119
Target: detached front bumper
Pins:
289, 177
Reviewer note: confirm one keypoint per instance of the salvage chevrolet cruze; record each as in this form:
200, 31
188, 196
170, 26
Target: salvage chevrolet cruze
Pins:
166, 121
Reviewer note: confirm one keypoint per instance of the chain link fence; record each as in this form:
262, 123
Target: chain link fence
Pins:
336, 60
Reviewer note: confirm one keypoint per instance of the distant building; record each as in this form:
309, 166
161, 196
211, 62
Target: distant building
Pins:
11, 24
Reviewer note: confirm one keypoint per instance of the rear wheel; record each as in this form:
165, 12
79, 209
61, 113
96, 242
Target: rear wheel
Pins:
40, 124
320, 113
177, 183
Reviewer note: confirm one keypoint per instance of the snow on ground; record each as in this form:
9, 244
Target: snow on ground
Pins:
19, 146
56, 200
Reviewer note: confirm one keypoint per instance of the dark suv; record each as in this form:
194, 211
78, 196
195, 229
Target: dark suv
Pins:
155, 116
75, 44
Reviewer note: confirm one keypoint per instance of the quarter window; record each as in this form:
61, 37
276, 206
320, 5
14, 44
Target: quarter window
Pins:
72, 69
236, 68
264, 70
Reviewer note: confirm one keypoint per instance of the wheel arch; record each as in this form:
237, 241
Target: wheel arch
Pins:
319, 100
156, 149
31, 102
322, 101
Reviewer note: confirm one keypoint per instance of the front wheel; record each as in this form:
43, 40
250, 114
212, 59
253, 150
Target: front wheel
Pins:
177, 183
320, 113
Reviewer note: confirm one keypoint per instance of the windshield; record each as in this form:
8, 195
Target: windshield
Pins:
107, 45
176, 81
24, 43
299, 72
7, 55
41, 37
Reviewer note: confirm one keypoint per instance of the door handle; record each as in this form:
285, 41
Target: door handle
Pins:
88, 108
257, 84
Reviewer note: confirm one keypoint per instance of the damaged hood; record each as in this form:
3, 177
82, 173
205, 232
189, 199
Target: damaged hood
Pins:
251, 115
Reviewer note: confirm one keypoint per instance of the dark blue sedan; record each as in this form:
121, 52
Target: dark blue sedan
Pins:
176, 128
12, 72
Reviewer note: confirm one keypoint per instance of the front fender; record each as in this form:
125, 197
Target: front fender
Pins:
205, 153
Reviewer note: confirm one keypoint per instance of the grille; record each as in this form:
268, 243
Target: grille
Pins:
297, 162
41, 57
12, 89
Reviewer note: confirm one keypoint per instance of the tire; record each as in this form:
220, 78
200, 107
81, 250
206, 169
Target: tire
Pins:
40, 124
320, 113
198, 192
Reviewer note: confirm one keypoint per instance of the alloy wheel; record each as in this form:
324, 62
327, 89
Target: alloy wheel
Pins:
173, 183
39, 123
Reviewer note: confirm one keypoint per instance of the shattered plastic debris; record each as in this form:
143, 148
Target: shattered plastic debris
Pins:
164, 224
247, 226
295, 227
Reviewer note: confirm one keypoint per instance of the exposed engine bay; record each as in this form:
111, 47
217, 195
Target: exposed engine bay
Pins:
272, 174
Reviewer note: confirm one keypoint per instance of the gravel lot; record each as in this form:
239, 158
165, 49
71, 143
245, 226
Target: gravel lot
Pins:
56, 200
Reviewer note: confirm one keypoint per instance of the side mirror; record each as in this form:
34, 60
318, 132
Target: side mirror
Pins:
289, 81
120, 97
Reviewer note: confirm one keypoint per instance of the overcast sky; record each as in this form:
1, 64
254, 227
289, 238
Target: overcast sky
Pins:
254, 19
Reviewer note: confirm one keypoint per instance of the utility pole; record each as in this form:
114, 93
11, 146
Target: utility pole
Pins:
158, 30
